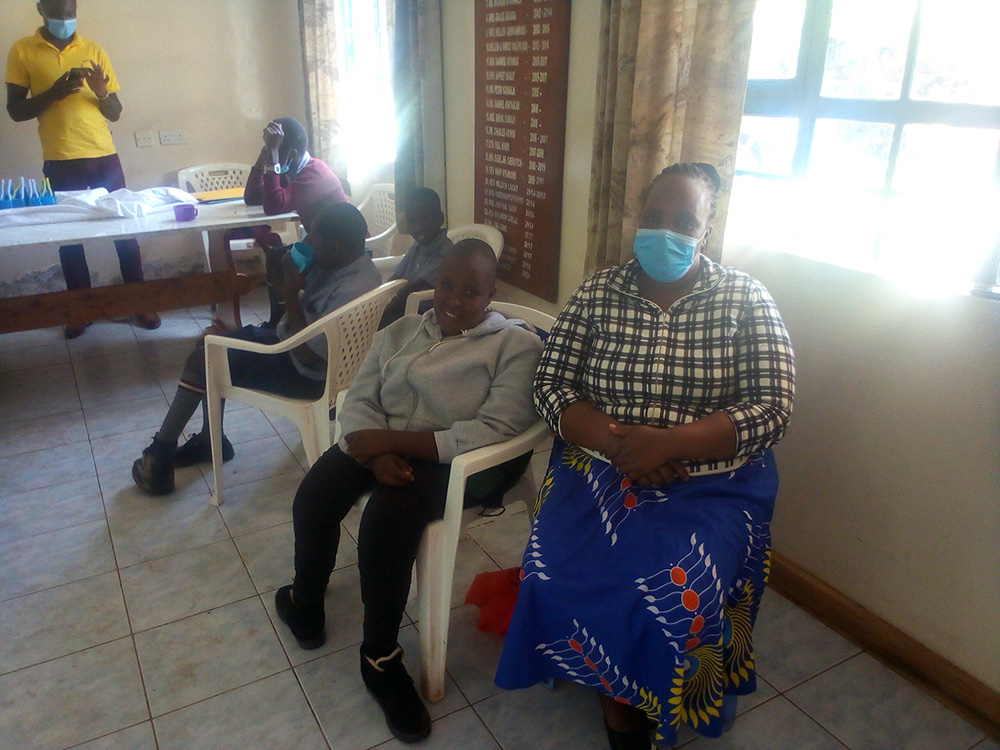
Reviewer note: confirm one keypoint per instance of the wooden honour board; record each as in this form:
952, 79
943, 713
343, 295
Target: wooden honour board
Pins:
522, 71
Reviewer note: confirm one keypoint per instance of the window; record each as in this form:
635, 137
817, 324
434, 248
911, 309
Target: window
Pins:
369, 118
871, 135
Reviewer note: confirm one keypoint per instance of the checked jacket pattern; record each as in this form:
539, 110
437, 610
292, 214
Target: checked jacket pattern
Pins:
722, 347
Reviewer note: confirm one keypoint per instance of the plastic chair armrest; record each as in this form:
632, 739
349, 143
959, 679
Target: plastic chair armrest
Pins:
479, 459
381, 235
223, 342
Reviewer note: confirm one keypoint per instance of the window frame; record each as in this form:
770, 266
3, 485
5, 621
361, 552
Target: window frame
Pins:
800, 97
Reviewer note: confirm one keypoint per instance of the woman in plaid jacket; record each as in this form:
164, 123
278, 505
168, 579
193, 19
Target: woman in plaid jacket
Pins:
666, 381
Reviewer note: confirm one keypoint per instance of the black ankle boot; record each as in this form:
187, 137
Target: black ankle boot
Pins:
307, 622
637, 740
391, 686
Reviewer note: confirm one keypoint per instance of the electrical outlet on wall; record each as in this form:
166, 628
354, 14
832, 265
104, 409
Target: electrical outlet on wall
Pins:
144, 139
172, 137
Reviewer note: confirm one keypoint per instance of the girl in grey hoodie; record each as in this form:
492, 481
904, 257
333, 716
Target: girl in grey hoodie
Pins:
433, 386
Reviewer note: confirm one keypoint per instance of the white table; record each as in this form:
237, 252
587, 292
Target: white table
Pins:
220, 284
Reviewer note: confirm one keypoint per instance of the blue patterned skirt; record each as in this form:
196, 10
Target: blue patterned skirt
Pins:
646, 594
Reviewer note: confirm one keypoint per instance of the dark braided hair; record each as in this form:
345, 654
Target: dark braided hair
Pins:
700, 171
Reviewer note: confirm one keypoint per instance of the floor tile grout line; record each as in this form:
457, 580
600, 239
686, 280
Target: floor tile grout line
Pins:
312, 708
264, 479
59, 340
784, 694
9, 599
183, 552
823, 671
32, 368
33, 535
214, 695
208, 610
109, 734
83, 650
138, 664
149, 364
483, 720
983, 741
815, 721
51, 659
221, 693
6, 496
305, 695
254, 681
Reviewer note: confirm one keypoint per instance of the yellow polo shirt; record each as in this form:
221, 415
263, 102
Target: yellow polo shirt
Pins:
73, 128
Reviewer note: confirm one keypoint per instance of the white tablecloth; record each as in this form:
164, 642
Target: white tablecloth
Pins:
84, 205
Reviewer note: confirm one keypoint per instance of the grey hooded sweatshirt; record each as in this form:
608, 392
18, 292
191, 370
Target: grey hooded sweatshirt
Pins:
470, 390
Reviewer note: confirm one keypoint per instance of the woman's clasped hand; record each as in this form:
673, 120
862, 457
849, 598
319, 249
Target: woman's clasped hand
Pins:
645, 454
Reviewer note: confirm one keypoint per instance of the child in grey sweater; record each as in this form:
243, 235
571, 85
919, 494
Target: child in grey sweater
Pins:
433, 386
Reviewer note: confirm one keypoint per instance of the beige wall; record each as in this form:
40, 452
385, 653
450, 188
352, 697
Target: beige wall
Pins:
218, 70
459, 103
890, 472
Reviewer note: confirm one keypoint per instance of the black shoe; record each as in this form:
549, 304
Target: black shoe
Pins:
391, 686
154, 472
149, 321
74, 331
306, 622
637, 740
198, 450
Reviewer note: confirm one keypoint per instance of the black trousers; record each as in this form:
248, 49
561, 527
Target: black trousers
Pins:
391, 527
81, 174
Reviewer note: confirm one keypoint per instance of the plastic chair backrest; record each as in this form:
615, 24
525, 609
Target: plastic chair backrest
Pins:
379, 208
215, 176
490, 235
348, 347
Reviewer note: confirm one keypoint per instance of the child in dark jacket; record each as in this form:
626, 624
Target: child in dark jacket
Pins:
420, 266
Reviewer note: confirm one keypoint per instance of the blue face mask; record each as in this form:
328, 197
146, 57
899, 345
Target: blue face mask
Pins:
61, 29
664, 255
302, 256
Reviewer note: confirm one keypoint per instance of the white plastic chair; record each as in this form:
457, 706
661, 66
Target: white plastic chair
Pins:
215, 176
348, 330
379, 210
439, 545
223, 176
490, 235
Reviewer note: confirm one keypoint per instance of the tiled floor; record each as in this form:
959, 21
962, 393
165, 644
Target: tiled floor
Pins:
131, 622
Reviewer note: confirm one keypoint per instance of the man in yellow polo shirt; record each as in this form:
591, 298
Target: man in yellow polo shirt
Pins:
72, 94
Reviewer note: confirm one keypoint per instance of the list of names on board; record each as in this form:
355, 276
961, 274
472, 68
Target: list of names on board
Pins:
522, 67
